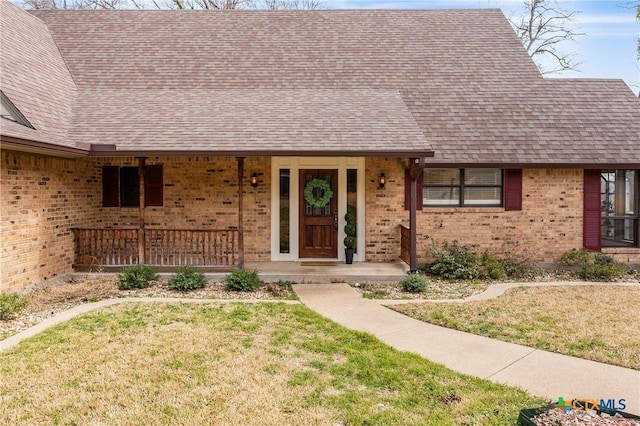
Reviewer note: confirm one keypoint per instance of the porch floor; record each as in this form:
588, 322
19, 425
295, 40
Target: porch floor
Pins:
323, 272
315, 271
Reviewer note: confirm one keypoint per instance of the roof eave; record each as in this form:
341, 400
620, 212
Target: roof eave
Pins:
261, 153
38, 147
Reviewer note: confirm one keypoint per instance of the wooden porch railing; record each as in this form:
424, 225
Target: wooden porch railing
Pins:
405, 250
162, 247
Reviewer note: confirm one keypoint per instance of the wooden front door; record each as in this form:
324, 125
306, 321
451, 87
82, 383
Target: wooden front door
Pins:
319, 225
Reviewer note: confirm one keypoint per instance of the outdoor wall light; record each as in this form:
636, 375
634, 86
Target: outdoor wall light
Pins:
254, 180
382, 181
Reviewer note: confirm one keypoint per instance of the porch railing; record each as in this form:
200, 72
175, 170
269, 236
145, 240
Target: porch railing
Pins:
162, 247
405, 250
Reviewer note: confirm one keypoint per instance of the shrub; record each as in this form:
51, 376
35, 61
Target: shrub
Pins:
187, 278
11, 304
137, 276
456, 262
414, 283
242, 280
594, 266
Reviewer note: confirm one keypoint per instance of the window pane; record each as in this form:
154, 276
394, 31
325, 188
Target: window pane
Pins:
483, 177
441, 196
284, 210
129, 187
441, 177
631, 193
482, 196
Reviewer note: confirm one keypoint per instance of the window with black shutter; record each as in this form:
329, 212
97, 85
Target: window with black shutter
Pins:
121, 186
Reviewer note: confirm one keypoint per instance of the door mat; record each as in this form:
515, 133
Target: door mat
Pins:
318, 263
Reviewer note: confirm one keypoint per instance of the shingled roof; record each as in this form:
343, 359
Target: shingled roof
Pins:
345, 82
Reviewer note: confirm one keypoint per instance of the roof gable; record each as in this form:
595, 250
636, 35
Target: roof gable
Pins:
34, 77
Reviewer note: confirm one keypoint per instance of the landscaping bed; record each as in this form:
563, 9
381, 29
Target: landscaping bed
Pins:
46, 301
551, 416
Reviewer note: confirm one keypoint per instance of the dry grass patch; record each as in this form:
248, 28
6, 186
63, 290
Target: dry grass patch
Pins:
249, 364
600, 323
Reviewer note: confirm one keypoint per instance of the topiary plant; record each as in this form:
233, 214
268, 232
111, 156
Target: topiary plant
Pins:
414, 283
187, 278
242, 280
137, 276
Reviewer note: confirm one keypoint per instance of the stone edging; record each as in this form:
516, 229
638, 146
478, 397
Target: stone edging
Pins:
12, 341
496, 290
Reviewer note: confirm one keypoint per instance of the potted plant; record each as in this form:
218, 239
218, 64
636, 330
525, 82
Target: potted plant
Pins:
350, 232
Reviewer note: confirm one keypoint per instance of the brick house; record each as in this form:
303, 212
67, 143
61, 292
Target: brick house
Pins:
176, 137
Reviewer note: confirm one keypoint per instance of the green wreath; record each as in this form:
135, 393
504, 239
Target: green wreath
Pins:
310, 197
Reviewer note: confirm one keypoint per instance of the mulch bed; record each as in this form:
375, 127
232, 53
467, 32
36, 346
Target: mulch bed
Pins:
47, 301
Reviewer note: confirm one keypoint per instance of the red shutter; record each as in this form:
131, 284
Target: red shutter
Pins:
110, 186
513, 189
153, 185
591, 217
407, 188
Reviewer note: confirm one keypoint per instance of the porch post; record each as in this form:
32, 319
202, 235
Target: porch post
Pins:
240, 209
415, 169
141, 233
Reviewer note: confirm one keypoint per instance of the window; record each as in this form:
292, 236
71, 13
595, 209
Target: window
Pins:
121, 186
619, 208
462, 187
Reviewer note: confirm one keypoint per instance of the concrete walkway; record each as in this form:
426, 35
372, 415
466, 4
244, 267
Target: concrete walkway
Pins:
542, 373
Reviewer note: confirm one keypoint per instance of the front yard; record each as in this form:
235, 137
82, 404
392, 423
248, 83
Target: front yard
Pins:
234, 363
599, 322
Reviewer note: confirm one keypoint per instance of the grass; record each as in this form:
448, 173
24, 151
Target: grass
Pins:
600, 323
250, 364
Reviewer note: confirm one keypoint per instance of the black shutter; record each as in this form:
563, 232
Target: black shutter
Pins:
407, 189
513, 189
153, 185
591, 217
110, 186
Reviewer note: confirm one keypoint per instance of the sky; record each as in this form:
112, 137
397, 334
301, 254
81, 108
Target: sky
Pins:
606, 50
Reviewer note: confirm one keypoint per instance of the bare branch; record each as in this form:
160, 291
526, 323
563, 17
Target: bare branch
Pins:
544, 26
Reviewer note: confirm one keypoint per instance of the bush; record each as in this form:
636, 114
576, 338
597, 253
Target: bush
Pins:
414, 283
11, 304
187, 278
456, 262
594, 266
242, 280
137, 276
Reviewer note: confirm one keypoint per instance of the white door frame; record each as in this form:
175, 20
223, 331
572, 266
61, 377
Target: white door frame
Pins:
294, 164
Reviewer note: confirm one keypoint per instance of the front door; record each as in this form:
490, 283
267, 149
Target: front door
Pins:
319, 219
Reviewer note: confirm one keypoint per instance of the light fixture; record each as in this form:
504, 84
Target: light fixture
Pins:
254, 180
381, 181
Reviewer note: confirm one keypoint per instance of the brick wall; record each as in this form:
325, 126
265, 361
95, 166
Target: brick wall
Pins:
42, 198
549, 224
202, 193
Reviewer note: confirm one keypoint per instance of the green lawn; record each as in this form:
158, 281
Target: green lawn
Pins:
600, 323
249, 364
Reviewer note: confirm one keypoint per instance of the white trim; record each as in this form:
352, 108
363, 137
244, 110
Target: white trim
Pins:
294, 164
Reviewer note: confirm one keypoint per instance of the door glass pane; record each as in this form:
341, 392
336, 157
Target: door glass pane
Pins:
352, 202
284, 210
631, 193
